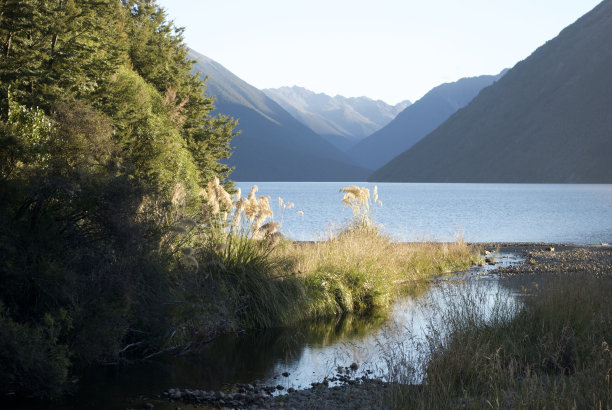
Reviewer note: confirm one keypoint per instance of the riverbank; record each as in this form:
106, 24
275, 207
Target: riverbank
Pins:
563, 357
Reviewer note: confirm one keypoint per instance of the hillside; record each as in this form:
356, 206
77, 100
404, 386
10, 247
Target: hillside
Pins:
549, 119
342, 121
272, 145
418, 120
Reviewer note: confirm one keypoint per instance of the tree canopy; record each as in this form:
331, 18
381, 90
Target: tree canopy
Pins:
101, 121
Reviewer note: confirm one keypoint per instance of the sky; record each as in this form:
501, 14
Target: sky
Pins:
391, 50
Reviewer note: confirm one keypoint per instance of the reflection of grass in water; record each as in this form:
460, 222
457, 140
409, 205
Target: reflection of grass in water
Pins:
323, 333
552, 352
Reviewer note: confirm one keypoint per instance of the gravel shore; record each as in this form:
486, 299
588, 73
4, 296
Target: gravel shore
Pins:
562, 260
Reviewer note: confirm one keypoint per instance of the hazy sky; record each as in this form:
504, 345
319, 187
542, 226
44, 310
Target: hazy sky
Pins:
385, 49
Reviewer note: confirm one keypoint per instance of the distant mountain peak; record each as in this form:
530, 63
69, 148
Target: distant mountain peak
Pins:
342, 120
272, 145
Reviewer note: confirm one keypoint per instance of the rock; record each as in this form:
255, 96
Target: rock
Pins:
354, 366
286, 374
148, 406
279, 387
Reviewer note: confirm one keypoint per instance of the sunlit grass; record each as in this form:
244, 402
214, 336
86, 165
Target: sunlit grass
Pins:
553, 352
361, 269
269, 281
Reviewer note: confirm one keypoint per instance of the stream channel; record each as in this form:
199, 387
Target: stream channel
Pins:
308, 353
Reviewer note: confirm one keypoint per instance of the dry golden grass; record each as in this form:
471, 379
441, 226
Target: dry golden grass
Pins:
360, 269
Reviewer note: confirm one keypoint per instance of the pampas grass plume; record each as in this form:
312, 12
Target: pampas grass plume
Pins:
178, 195
269, 228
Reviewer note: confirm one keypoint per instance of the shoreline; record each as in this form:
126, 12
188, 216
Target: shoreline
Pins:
540, 259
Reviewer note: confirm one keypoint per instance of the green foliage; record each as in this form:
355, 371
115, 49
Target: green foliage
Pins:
32, 361
48, 56
100, 120
153, 146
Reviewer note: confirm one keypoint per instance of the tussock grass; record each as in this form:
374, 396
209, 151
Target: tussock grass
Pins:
360, 269
267, 280
553, 353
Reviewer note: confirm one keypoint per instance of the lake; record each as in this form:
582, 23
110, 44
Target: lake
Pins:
556, 213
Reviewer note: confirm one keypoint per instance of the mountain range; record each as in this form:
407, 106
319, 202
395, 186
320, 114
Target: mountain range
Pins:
548, 119
272, 145
340, 120
418, 120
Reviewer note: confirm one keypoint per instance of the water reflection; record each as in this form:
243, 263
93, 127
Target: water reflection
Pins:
308, 352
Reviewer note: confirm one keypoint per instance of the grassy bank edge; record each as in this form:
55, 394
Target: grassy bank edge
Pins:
554, 353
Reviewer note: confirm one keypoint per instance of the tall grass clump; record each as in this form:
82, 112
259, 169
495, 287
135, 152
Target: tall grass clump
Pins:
228, 254
553, 351
360, 269
234, 261
358, 199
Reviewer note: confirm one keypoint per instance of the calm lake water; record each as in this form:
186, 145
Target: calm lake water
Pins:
559, 213
580, 214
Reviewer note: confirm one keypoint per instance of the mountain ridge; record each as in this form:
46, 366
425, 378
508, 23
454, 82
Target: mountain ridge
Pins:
341, 120
549, 119
272, 145
418, 120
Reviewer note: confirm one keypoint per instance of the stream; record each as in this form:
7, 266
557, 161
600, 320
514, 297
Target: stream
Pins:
297, 356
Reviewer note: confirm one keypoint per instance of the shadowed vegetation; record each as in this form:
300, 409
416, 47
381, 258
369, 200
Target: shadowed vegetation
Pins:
121, 236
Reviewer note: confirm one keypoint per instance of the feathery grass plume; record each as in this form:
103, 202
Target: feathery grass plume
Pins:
192, 261
274, 238
223, 196
214, 206
238, 194
213, 201
253, 191
358, 199
240, 206
178, 195
203, 194
251, 207
263, 212
301, 213
290, 205
269, 228
280, 202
